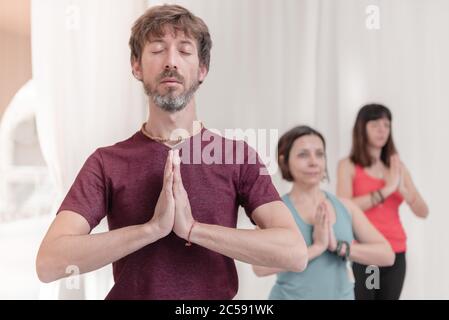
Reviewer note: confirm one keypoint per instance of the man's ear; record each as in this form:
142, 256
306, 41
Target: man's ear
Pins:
202, 73
136, 68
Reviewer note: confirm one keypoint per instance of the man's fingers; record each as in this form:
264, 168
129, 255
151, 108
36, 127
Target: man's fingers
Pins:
177, 171
168, 186
168, 174
168, 164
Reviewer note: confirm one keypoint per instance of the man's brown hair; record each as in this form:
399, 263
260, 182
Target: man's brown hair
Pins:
155, 19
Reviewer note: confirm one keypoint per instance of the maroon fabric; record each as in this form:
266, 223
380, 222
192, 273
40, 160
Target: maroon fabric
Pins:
123, 182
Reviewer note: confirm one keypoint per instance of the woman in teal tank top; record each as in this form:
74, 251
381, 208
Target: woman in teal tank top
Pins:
329, 226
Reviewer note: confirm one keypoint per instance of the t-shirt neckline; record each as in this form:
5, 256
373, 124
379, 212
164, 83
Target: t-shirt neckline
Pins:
146, 138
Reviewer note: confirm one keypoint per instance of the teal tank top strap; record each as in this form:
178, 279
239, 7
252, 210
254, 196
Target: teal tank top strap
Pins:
305, 228
340, 210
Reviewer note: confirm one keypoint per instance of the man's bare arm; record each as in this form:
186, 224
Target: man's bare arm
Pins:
68, 242
278, 243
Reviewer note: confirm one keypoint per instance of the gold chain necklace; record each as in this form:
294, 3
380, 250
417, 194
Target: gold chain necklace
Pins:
165, 140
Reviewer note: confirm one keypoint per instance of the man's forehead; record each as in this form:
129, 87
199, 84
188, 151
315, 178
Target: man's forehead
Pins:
170, 33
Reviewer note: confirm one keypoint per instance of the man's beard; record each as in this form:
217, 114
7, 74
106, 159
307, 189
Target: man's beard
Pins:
169, 101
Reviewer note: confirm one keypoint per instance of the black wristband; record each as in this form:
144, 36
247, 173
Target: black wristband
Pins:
347, 249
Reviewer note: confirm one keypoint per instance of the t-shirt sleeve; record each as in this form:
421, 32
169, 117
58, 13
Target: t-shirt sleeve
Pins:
88, 194
255, 185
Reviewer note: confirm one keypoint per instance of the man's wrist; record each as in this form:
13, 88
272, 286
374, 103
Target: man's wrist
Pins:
153, 231
198, 233
189, 234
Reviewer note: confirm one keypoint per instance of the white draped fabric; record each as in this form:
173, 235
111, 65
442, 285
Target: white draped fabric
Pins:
275, 64
87, 95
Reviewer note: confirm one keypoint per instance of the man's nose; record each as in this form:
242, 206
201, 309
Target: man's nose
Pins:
171, 60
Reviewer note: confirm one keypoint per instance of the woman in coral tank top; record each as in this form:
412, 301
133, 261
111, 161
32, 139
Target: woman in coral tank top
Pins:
374, 177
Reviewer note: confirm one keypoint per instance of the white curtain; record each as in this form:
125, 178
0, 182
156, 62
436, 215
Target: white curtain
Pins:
275, 64
87, 95
23, 210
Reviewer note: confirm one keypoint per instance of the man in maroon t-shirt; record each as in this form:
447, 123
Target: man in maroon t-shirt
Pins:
171, 192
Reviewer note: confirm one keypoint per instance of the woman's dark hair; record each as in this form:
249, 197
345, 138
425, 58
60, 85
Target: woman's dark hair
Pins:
285, 145
359, 151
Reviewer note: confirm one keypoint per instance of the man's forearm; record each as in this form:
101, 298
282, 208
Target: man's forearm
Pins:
313, 251
274, 247
91, 252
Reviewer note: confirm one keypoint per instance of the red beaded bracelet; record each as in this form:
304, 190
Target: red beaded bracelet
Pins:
188, 244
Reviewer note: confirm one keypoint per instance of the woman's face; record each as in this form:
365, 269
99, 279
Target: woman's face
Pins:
307, 160
378, 132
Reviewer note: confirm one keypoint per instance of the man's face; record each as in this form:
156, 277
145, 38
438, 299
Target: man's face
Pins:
170, 70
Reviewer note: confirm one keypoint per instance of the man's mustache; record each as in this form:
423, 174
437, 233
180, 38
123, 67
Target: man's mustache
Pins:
170, 74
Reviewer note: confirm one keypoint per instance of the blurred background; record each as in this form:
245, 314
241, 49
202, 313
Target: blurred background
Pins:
66, 88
